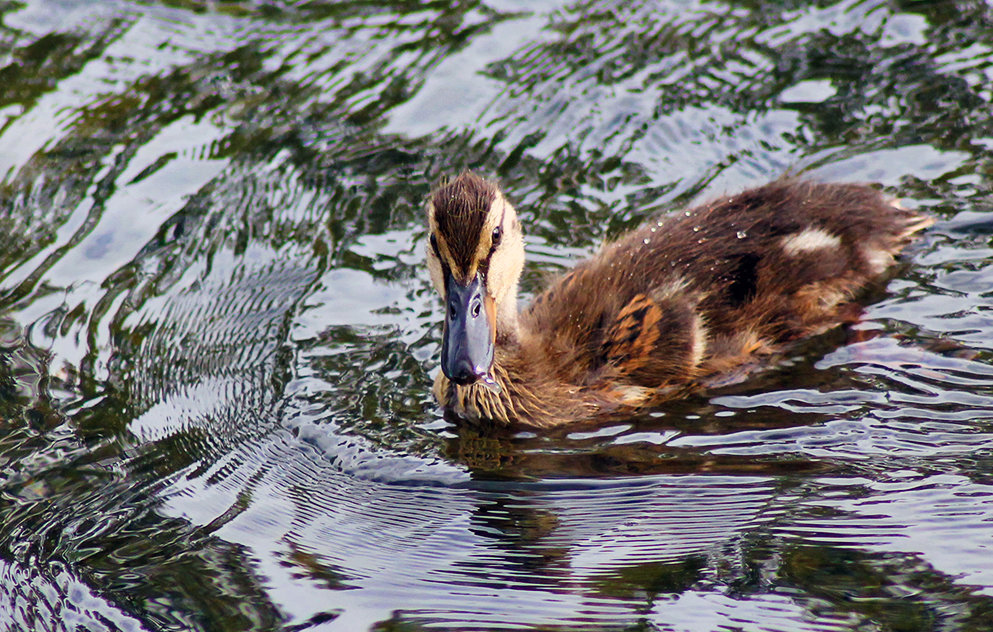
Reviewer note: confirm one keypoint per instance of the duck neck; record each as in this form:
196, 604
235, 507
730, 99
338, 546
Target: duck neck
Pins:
507, 327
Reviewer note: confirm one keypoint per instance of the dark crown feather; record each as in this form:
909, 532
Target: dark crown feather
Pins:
460, 209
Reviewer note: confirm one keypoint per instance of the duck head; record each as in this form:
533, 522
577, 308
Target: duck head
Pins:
475, 254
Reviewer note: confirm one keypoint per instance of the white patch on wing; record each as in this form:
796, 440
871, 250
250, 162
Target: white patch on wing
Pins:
878, 259
808, 240
672, 287
631, 395
699, 342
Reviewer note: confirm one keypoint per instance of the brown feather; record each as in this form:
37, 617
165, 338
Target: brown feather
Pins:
680, 301
460, 210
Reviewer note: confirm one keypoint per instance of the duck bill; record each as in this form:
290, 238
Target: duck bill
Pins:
470, 328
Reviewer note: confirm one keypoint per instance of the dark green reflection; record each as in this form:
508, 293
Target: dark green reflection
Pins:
217, 339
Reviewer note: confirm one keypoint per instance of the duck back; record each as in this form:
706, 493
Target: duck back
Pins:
697, 293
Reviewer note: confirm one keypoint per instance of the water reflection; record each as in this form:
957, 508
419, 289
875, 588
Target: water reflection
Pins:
576, 551
217, 339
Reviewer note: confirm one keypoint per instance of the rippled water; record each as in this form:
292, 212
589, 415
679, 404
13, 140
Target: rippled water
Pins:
217, 337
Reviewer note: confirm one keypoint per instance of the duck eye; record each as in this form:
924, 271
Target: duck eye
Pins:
434, 245
497, 234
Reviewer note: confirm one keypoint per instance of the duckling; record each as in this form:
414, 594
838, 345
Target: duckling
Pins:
662, 312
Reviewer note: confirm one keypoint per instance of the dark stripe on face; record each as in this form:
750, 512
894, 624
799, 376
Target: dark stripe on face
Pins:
484, 265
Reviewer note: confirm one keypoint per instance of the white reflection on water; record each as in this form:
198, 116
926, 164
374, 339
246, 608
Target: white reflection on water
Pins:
942, 517
235, 283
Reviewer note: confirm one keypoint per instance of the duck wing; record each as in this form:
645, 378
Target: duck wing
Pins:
699, 292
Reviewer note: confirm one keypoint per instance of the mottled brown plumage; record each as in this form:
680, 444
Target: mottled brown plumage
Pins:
664, 310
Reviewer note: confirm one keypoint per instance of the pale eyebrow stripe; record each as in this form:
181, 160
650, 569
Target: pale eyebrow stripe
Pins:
483, 253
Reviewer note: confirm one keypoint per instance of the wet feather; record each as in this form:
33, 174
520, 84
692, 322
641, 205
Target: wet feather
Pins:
670, 307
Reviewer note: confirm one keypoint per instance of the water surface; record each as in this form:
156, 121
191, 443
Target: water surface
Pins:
217, 336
